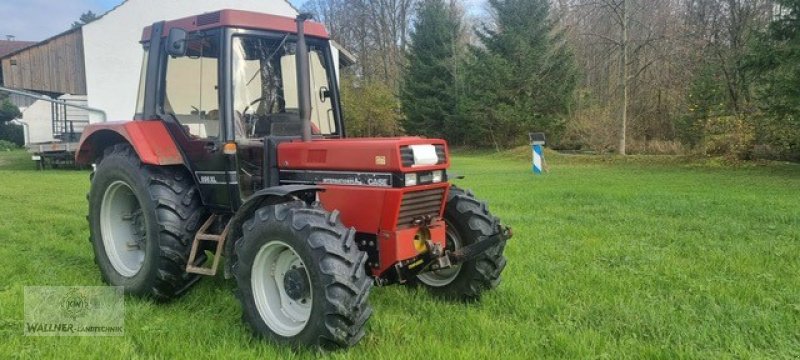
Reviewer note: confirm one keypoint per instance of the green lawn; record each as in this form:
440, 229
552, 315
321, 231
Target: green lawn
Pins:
612, 258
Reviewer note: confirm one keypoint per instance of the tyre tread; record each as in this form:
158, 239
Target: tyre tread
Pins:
178, 211
346, 284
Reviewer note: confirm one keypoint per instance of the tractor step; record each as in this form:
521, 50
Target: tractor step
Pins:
203, 235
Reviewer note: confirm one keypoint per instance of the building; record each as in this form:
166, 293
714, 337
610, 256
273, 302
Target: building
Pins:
11, 46
7, 47
99, 63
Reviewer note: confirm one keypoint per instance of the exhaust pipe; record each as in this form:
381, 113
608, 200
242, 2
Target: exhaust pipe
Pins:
303, 76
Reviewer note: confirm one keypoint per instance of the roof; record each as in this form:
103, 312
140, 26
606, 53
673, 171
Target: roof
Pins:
346, 58
8, 47
239, 19
31, 44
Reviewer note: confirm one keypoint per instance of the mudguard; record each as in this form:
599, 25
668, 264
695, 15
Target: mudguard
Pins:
150, 139
260, 198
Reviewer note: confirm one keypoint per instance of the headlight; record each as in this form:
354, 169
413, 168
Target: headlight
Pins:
411, 179
437, 176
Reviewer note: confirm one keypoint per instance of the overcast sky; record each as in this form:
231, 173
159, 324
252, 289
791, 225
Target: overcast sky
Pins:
36, 20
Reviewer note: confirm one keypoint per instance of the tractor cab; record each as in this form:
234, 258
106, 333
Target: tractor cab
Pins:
230, 78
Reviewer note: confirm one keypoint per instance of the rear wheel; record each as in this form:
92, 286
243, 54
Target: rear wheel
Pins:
468, 221
142, 220
301, 278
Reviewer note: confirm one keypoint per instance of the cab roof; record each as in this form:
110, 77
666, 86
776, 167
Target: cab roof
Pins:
240, 19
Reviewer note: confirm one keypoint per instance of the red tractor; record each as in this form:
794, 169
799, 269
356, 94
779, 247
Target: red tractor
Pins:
238, 149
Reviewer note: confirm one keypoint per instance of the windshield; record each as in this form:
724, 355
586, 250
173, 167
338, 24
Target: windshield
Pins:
265, 88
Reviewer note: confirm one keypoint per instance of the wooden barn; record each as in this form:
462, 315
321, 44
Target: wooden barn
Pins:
54, 66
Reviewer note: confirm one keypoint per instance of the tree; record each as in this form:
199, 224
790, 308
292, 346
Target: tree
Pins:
8, 111
376, 31
773, 62
370, 108
632, 63
428, 95
85, 18
521, 78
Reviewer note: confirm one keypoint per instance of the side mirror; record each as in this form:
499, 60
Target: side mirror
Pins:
176, 42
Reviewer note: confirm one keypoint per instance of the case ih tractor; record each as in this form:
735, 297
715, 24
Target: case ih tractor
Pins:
238, 149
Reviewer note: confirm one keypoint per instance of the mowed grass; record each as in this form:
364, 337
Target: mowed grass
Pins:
634, 258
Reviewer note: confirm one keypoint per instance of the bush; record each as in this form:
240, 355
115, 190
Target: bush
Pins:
729, 136
370, 109
8, 111
778, 138
12, 133
7, 145
655, 147
591, 128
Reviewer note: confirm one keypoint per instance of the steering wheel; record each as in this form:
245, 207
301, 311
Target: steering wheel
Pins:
248, 118
253, 103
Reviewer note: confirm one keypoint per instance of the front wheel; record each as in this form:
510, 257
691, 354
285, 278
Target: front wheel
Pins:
301, 277
468, 221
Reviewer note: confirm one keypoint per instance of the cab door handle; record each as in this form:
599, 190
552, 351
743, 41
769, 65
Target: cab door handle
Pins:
211, 147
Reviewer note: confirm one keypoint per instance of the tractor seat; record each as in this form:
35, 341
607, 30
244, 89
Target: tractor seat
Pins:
278, 124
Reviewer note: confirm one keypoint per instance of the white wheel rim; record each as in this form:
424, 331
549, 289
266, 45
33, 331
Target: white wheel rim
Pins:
443, 277
282, 314
122, 229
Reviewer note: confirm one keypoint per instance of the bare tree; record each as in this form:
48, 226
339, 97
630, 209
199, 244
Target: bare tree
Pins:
722, 30
375, 30
630, 51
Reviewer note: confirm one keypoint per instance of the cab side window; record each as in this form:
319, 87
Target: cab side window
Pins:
191, 89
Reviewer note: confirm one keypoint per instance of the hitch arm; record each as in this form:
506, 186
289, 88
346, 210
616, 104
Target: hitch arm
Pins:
470, 252
434, 259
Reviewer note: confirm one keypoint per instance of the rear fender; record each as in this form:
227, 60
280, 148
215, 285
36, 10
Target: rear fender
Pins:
150, 139
269, 196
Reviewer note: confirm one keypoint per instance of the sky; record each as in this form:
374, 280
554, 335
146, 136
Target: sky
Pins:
36, 20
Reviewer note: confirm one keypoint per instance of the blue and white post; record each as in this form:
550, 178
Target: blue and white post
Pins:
537, 147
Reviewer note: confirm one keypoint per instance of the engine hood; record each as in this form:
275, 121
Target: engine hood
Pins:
393, 155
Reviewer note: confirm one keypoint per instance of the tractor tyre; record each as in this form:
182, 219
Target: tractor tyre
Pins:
142, 222
468, 221
301, 278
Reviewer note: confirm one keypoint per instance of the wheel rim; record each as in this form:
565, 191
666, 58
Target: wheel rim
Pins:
283, 315
443, 277
122, 227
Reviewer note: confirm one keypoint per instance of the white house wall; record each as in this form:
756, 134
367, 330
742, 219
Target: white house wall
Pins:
40, 127
114, 55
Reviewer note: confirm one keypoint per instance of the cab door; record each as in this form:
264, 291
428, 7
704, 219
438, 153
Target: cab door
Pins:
191, 98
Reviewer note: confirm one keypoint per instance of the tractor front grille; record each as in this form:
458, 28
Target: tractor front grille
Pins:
420, 204
440, 153
407, 156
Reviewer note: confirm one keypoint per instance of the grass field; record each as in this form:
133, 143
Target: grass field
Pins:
612, 258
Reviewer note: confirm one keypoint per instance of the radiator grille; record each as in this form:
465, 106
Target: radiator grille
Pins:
440, 153
407, 156
420, 204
